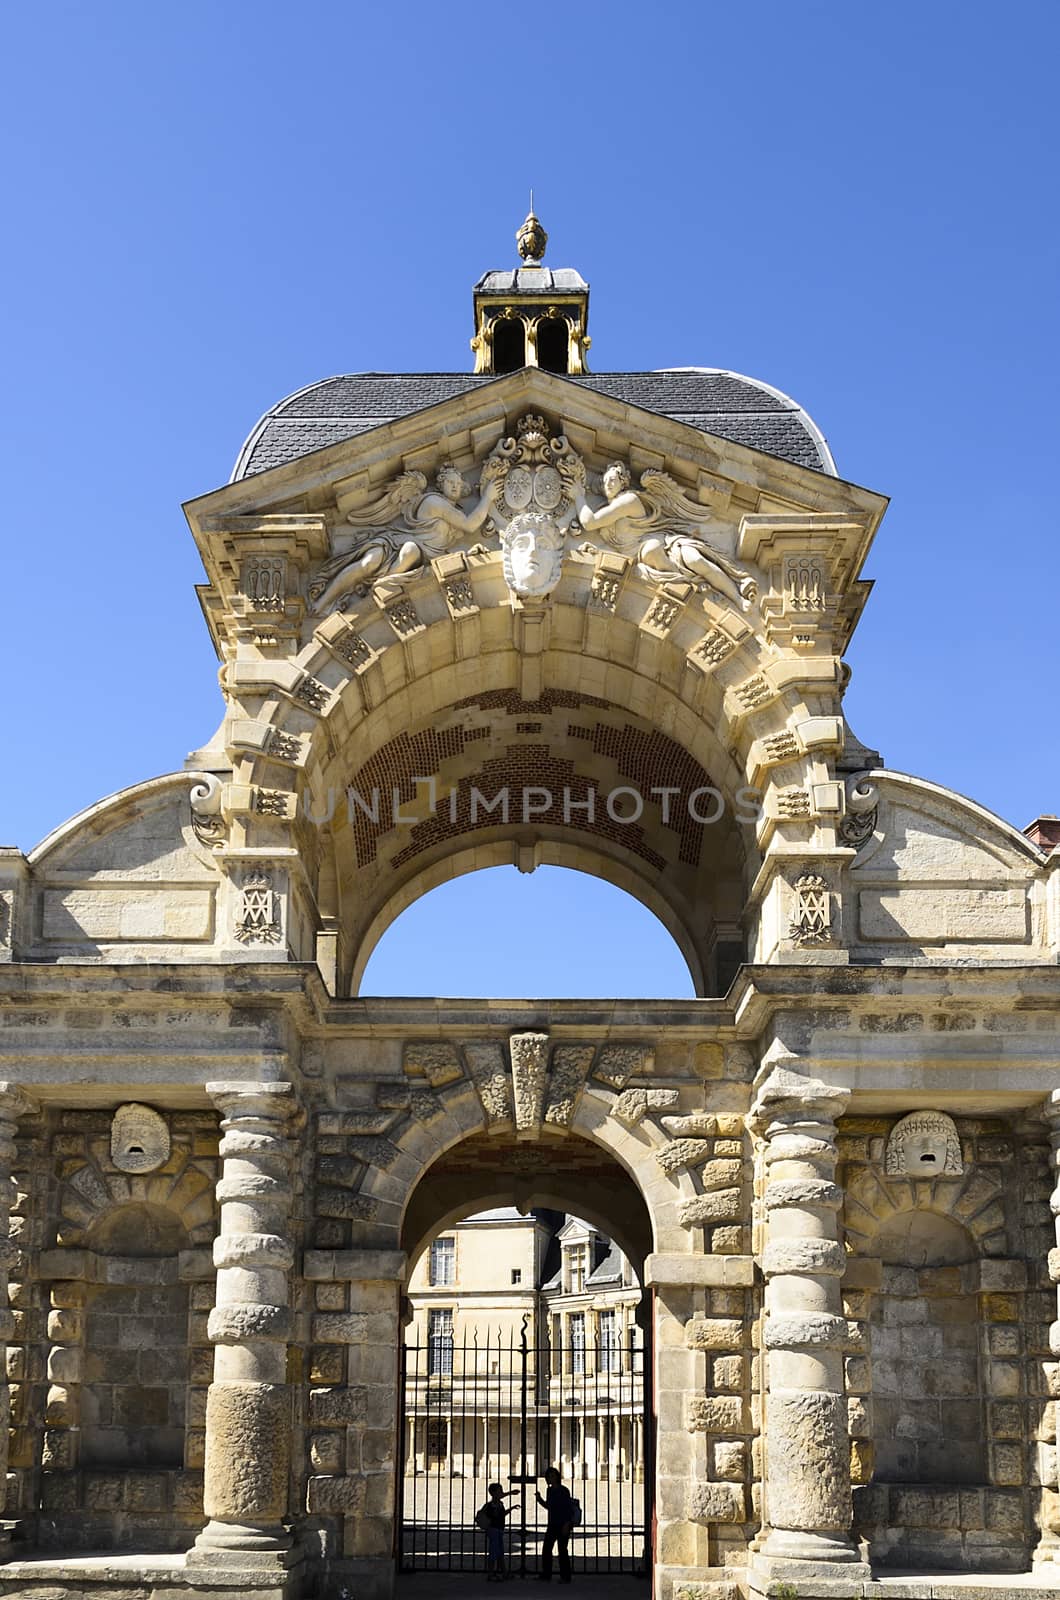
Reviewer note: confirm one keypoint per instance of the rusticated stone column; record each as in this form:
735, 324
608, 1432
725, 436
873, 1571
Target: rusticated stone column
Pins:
1048, 1548
248, 1408
807, 1446
14, 1103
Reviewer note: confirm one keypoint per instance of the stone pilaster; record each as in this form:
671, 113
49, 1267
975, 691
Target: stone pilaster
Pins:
248, 1408
808, 1509
14, 1103
1048, 1548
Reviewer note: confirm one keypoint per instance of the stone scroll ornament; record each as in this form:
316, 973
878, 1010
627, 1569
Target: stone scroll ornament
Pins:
206, 818
858, 823
924, 1144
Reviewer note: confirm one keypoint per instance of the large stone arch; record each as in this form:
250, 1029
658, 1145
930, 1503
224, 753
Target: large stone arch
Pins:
738, 684
525, 1107
549, 849
580, 1092
666, 716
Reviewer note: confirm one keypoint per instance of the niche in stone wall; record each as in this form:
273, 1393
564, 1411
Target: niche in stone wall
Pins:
136, 1342
924, 1342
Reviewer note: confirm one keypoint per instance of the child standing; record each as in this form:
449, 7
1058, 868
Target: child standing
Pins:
495, 1513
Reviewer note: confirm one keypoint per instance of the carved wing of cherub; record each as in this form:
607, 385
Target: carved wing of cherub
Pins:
392, 504
369, 554
673, 543
668, 503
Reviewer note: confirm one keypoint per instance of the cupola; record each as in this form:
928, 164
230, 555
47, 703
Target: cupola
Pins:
531, 315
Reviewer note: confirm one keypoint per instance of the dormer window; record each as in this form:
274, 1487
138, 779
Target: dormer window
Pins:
577, 1268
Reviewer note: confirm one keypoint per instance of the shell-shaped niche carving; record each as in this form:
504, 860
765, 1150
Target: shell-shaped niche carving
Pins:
139, 1139
924, 1144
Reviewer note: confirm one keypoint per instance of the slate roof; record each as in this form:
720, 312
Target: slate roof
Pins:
531, 280
717, 402
609, 1270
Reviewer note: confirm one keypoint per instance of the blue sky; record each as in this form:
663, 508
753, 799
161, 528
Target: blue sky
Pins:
210, 205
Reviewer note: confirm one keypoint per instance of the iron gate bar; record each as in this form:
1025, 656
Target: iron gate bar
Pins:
503, 1410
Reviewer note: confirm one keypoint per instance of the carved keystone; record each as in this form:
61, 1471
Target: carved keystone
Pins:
529, 1053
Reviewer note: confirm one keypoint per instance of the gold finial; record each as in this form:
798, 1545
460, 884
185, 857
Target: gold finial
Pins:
531, 238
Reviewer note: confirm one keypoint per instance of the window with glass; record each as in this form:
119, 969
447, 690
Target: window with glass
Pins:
443, 1263
609, 1345
517, 1275
577, 1342
440, 1343
577, 1268
437, 1440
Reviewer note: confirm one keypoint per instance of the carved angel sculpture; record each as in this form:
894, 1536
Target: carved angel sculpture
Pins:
404, 528
665, 530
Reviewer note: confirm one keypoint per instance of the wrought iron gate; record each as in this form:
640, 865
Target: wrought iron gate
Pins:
503, 1409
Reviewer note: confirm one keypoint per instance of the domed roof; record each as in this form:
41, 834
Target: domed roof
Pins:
717, 402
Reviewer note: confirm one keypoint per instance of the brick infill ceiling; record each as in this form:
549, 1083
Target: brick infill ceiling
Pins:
644, 758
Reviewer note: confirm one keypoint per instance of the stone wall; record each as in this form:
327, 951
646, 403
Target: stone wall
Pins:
125, 1281
949, 1310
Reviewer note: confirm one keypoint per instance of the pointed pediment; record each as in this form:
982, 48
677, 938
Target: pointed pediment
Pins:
318, 507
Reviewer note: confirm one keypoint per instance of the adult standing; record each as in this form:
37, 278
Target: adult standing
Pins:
560, 1519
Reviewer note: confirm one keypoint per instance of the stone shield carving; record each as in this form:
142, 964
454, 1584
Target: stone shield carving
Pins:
139, 1139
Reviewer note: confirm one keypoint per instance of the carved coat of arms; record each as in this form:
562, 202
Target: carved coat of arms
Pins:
538, 479
532, 492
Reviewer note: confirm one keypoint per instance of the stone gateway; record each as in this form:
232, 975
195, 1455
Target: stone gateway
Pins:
527, 615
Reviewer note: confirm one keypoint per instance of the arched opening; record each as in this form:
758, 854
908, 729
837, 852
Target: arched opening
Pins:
527, 1346
556, 932
566, 779
509, 345
553, 344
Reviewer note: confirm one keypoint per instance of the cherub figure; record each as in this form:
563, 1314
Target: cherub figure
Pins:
665, 534
426, 525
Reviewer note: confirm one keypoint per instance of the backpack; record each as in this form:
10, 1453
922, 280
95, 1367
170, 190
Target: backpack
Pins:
483, 1520
575, 1512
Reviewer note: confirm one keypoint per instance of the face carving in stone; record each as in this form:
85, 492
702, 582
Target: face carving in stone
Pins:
924, 1145
139, 1139
533, 555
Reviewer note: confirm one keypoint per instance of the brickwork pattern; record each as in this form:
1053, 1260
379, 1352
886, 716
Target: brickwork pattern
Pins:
646, 759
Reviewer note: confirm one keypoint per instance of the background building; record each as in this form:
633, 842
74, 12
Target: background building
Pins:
473, 1295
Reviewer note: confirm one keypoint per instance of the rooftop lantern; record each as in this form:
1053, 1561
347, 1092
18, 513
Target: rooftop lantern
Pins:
531, 315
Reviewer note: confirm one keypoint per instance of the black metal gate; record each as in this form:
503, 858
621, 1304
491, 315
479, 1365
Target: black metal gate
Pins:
502, 1409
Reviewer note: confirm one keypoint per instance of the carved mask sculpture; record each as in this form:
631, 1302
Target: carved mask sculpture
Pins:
533, 554
139, 1139
924, 1145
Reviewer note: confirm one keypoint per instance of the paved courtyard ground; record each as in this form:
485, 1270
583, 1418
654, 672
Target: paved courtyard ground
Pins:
439, 1529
